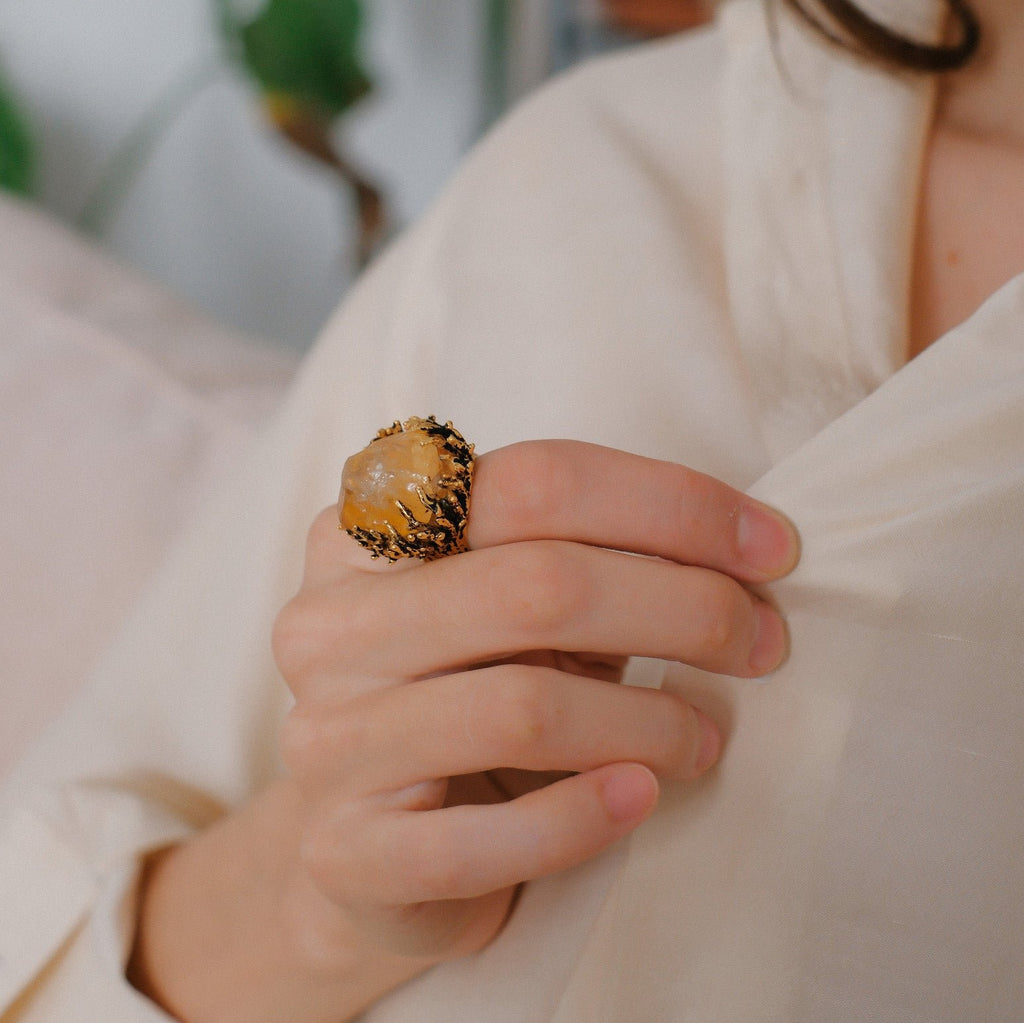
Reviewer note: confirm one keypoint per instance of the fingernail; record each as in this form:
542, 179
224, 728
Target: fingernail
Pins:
770, 640
710, 743
768, 542
630, 793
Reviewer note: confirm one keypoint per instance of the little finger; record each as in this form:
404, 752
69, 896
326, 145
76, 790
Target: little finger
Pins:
462, 852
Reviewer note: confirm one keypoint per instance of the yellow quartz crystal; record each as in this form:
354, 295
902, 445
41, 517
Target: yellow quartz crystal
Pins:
407, 493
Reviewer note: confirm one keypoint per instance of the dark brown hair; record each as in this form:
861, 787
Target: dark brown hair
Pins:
844, 23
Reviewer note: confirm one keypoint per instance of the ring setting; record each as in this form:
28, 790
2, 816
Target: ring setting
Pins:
406, 494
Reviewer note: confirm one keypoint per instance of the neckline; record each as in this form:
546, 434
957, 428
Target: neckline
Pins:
819, 247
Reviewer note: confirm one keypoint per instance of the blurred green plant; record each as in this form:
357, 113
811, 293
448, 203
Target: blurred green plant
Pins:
17, 161
303, 58
306, 51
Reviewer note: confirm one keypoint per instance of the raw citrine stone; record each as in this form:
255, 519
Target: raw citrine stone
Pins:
406, 493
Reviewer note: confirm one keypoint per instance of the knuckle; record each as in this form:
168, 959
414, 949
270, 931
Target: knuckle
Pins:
323, 857
521, 714
299, 742
684, 736
531, 487
719, 613
314, 745
352, 623
543, 590
323, 628
695, 498
437, 867
291, 641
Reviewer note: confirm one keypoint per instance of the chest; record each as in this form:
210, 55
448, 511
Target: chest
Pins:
970, 236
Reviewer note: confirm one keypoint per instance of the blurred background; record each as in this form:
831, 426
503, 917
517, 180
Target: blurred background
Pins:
251, 155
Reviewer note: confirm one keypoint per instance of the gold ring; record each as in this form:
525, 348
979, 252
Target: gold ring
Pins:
406, 494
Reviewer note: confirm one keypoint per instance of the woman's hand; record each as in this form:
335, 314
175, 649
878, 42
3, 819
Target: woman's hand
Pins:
416, 683
456, 733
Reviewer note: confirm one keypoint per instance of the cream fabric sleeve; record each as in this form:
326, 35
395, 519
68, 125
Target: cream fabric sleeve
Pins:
120, 407
170, 732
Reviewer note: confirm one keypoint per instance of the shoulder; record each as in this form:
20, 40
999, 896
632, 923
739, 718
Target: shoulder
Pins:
655, 104
625, 142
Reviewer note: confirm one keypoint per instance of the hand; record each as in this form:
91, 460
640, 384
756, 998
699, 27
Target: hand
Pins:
394, 844
415, 683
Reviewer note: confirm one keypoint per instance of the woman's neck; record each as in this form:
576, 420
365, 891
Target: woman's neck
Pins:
970, 240
986, 99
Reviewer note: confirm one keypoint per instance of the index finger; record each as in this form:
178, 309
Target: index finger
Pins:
571, 490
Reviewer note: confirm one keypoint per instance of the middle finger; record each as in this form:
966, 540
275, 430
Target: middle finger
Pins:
557, 595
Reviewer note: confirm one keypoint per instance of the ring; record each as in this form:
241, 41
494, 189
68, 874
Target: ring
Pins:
406, 494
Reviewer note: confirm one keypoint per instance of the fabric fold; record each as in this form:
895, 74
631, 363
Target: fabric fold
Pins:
852, 852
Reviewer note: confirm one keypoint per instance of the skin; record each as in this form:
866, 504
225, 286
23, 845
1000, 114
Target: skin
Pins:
657, 17
970, 238
389, 847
